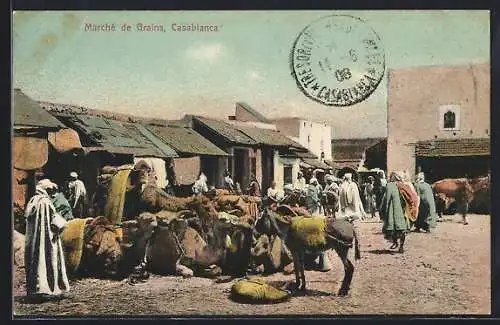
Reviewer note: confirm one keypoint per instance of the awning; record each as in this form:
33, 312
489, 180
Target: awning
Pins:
453, 147
313, 163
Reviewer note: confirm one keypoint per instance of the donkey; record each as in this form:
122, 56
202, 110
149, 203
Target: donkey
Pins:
339, 235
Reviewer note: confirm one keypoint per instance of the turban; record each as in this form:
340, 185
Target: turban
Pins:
396, 177
46, 184
73, 174
348, 176
313, 180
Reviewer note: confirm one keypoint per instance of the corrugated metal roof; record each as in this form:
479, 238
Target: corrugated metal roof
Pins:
115, 136
453, 147
226, 130
186, 140
253, 112
27, 112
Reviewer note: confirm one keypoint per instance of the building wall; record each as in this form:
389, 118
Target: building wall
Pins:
415, 100
289, 127
279, 164
317, 137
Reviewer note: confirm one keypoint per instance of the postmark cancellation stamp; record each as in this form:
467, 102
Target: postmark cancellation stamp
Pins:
337, 60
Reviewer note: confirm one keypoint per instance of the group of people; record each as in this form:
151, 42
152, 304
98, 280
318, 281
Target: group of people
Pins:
47, 213
406, 205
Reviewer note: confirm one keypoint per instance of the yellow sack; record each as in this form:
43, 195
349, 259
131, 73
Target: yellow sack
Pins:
72, 241
116, 196
256, 290
310, 231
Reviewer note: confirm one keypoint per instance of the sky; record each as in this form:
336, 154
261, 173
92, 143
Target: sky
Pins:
169, 74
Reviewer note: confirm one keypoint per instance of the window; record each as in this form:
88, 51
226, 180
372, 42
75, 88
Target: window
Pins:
287, 174
449, 117
449, 120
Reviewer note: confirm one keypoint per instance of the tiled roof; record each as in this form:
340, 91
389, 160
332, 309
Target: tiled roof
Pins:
453, 147
270, 138
351, 149
227, 131
253, 112
186, 140
27, 112
98, 133
314, 163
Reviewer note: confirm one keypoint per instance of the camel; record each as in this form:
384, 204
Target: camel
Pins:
337, 234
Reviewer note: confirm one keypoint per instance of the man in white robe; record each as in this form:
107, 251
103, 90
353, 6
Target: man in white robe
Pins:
44, 258
200, 186
350, 200
76, 195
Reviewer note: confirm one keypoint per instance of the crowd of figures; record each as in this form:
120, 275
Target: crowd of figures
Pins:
400, 203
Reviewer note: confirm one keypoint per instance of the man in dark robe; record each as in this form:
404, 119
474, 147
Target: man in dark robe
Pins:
426, 219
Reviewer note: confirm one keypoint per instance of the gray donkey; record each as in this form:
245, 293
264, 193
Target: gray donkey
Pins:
338, 234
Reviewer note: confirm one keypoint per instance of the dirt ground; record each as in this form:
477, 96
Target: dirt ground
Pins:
445, 272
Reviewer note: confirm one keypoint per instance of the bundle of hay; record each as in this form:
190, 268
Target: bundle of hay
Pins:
256, 290
308, 232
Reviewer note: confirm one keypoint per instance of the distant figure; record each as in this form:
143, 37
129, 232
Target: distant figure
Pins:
291, 196
300, 183
169, 188
253, 189
273, 193
392, 210
200, 187
61, 204
411, 209
228, 181
45, 266
369, 194
350, 200
237, 189
380, 185
76, 195
330, 199
427, 209
313, 197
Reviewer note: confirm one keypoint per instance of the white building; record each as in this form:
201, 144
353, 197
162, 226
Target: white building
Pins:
316, 137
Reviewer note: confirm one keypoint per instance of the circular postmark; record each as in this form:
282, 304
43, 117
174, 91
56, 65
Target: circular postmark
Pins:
338, 60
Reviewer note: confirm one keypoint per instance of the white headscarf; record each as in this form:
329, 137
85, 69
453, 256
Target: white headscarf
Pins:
43, 185
313, 180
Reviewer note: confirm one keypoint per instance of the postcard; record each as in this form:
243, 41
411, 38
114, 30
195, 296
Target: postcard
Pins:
251, 163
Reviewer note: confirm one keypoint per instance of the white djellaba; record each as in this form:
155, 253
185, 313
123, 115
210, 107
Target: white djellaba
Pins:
44, 258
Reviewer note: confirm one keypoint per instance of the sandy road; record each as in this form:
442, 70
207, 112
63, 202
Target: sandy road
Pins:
445, 272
